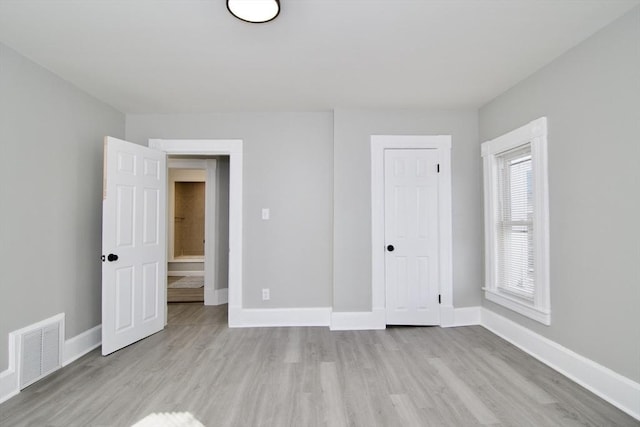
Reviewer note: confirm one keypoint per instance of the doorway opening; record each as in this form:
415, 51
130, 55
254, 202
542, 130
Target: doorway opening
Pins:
187, 191
231, 151
198, 229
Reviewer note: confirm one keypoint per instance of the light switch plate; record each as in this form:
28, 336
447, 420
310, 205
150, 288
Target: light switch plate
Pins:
265, 213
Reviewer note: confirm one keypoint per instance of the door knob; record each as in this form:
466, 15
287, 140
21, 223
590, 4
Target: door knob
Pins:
390, 248
112, 257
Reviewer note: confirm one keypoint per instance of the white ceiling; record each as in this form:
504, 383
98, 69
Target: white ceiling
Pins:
185, 56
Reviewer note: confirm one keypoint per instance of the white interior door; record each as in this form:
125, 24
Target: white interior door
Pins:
411, 237
133, 243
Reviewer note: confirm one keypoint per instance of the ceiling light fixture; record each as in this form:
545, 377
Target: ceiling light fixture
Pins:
254, 11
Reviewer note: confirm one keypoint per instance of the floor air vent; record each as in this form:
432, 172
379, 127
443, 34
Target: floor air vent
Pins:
40, 353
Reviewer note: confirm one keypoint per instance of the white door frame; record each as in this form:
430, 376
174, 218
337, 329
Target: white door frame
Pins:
233, 149
442, 143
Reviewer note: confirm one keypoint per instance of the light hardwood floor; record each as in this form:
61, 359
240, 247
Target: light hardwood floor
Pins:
183, 294
403, 376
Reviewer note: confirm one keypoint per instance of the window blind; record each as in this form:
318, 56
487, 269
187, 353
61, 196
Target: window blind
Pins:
515, 222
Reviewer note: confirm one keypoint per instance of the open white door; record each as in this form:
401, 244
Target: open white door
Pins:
133, 243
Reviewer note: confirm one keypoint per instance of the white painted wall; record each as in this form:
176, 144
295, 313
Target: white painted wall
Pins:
352, 203
287, 168
51, 137
591, 96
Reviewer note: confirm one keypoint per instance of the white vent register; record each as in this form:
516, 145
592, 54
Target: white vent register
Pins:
40, 350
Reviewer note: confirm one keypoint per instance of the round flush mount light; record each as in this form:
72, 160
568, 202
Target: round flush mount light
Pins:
254, 11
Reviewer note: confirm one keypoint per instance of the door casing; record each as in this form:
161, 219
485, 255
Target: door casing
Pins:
441, 143
233, 149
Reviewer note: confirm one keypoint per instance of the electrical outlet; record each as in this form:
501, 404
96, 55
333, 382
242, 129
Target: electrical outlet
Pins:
266, 294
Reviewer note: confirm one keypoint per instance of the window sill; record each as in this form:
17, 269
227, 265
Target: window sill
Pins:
518, 305
526, 297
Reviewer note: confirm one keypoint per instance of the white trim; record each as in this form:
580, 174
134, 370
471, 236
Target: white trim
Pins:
216, 296
535, 134
616, 389
379, 143
278, 317
81, 344
187, 163
233, 149
185, 273
519, 306
8, 384
9, 381
463, 316
357, 321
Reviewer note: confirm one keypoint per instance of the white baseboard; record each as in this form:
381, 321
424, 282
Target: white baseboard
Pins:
366, 320
464, 316
72, 349
276, 317
9, 381
9, 385
358, 320
76, 347
216, 296
616, 389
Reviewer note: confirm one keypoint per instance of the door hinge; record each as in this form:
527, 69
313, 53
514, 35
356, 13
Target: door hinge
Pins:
439, 299
438, 168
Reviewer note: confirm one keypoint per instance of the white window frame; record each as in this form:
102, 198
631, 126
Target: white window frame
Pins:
535, 134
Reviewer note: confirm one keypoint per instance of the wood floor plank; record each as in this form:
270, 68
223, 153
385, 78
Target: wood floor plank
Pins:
408, 414
519, 381
332, 397
402, 376
467, 397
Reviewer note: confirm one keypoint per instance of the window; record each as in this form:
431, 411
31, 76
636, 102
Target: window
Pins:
517, 221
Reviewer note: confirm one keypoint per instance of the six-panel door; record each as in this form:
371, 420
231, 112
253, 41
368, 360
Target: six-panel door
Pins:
411, 236
133, 243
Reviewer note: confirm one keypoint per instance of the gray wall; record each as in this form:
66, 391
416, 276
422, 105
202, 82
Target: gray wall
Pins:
222, 223
51, 137
288, 168
591, 96
352, 203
